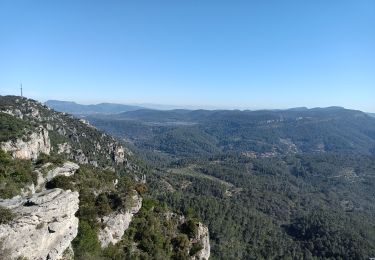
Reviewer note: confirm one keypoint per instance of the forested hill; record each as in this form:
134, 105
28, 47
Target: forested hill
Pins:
258, 133
271, 184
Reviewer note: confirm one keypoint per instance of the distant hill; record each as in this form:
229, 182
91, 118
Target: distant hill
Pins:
371, 114
78, 109
264, 132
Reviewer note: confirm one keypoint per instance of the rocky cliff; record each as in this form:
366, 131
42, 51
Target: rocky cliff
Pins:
79, 190
43, 227
50, 132
115, 224
29, 146
203, 239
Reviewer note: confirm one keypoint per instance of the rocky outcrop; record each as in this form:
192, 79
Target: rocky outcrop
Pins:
30, 146
118, 153
14, 112
117, 223
64, 148
44, 226
80, 157
68, 169
203, 238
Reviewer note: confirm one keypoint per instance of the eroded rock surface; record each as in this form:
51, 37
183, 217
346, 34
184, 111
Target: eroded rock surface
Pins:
44, 226
68, 169
204, 239
117, 223
30, 146
64, 148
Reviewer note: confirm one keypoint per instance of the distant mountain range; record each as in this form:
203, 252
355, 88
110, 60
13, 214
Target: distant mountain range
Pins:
190, 132
78, 109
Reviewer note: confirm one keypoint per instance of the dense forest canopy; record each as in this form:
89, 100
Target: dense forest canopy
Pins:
281, 184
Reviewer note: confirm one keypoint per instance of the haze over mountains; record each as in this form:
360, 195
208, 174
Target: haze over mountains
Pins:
182, 132
115, 108
102, 108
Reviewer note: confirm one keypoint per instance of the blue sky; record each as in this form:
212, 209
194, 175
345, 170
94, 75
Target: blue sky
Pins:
230, 54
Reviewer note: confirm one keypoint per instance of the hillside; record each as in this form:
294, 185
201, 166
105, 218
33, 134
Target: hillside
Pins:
280, 184
68, 190
256, 133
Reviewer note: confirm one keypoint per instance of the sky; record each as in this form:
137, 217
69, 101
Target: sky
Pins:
250, 54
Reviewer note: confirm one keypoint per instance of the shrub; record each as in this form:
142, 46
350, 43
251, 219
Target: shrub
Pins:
115, 201
102, 205
141, 188
196, 248
6, 215
14, 175
86, 240
52, 158
190, 228
181, 242
62, 182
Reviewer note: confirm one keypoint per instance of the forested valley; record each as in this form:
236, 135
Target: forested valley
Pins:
289, 184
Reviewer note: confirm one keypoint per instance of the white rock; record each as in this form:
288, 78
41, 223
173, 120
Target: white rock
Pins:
203, 238
44, 226
63, 148
118, 154
117, 223
68, 169
37, 142
80, 157
14, 112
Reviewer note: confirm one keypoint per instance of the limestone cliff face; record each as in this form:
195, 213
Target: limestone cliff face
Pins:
30, 146
45, 222
117, 223
204, 239
68, 169
70, 137
44, 226
118, 154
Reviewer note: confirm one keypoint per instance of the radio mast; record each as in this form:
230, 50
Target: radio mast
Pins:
21, 91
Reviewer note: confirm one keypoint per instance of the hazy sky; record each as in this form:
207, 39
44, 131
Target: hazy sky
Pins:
221, 53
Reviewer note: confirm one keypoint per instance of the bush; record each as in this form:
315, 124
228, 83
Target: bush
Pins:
52, 158
102, 205
190, 228
6, 215
181, 242
62, 182
12, 127
86, 240
141, 188
196, 248
14, 175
